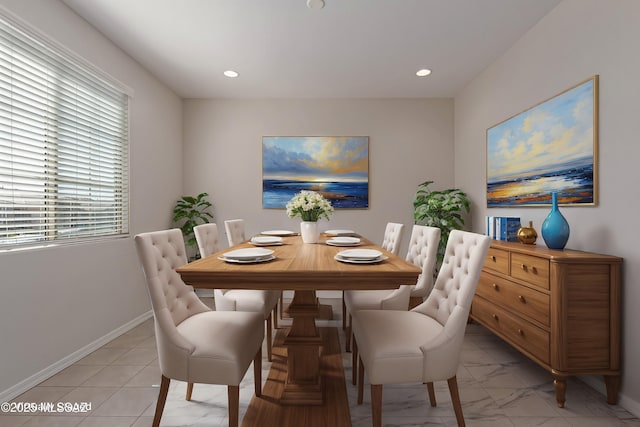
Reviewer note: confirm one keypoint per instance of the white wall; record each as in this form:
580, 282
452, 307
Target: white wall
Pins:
576, 40
410, 141
59, 300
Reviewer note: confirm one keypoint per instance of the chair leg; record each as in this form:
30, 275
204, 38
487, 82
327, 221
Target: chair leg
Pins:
432, 394
354, 362
257, 372
455, 399
269, 337
233, 392
189, 391
274, 314
360, 382
376, 404
344, 313
281, 304
162, 398
347, 334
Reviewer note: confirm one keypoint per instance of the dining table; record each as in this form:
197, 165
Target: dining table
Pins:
303, 268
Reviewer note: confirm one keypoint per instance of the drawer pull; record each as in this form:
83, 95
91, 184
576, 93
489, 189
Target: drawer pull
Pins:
494, 286
493, 258
520, 331
495, 316
521, 299
534, 270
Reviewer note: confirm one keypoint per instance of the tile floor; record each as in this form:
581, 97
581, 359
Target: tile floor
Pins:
498, 386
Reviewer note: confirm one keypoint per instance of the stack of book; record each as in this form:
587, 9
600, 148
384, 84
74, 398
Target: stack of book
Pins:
503, 228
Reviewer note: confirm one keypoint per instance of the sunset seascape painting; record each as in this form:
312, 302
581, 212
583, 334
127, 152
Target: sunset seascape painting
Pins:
551, 147
335, 166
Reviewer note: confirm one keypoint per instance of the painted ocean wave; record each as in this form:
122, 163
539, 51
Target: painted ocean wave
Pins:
574, 185
342, 195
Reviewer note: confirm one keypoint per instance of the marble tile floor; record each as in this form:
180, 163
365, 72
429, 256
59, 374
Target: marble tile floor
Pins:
498, 387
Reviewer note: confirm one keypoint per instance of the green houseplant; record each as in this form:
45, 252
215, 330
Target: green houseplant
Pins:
442, 209
192, 211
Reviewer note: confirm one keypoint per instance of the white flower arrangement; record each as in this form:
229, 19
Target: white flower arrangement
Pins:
310, 205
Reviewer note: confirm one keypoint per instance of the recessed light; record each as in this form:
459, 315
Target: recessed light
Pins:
231, 73
315, 4
423, 72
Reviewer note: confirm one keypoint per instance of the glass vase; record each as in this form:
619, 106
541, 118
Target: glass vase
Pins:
555, 228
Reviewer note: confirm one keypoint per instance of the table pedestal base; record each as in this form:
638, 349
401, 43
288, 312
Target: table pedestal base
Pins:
303, 342
334, 412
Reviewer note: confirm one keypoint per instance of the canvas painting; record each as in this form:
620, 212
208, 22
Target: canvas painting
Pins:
335, 166
551, 147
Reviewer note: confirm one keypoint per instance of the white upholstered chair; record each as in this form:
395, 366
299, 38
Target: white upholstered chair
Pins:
207, 238
235, 231
195, 344
391, 242
422, 252
392, 237
423, 345
261, 301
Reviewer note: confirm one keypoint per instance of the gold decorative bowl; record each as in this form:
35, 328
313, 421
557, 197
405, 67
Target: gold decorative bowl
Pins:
527, 235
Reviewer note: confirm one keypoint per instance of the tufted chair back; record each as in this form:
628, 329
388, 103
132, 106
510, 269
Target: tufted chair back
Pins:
422, 252
207, 238
392, 237
235, 231
160, 253
450, 300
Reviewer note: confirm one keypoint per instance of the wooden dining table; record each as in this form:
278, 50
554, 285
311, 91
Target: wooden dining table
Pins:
304, 268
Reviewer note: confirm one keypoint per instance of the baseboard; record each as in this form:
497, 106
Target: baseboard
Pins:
627, 403
205, 293
69, 360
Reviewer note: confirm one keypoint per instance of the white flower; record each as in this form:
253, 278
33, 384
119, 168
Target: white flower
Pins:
310, 205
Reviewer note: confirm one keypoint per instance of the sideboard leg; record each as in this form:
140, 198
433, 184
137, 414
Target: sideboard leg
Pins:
613, 385
560, 383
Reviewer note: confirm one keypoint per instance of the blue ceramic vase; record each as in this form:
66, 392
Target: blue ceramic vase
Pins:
555, 228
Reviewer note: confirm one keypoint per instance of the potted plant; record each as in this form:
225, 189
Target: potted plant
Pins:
192, 211
442, 209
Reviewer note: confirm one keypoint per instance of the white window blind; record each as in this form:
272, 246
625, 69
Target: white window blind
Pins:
64, 140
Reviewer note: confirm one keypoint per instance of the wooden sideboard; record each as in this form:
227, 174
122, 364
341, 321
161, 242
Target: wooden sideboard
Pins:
560, 308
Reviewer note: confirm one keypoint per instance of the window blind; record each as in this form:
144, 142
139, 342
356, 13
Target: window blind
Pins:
64, 140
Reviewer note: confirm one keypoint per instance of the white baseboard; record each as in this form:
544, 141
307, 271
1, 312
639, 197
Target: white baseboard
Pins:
205, 293
69, 360
627, 403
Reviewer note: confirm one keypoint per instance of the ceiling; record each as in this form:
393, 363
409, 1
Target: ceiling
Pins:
283, 49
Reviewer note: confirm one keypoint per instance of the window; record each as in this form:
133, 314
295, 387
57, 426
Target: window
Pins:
64, 140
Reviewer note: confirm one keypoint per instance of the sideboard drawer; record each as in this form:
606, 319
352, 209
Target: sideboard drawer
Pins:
497, 260
521, 299
521, 333
531, 269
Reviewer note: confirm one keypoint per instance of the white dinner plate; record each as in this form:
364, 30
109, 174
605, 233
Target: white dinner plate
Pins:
248, 253
332, 242
247, 261
278, 233
340, 232
344, 239
360, 254
360, 261
266, 240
